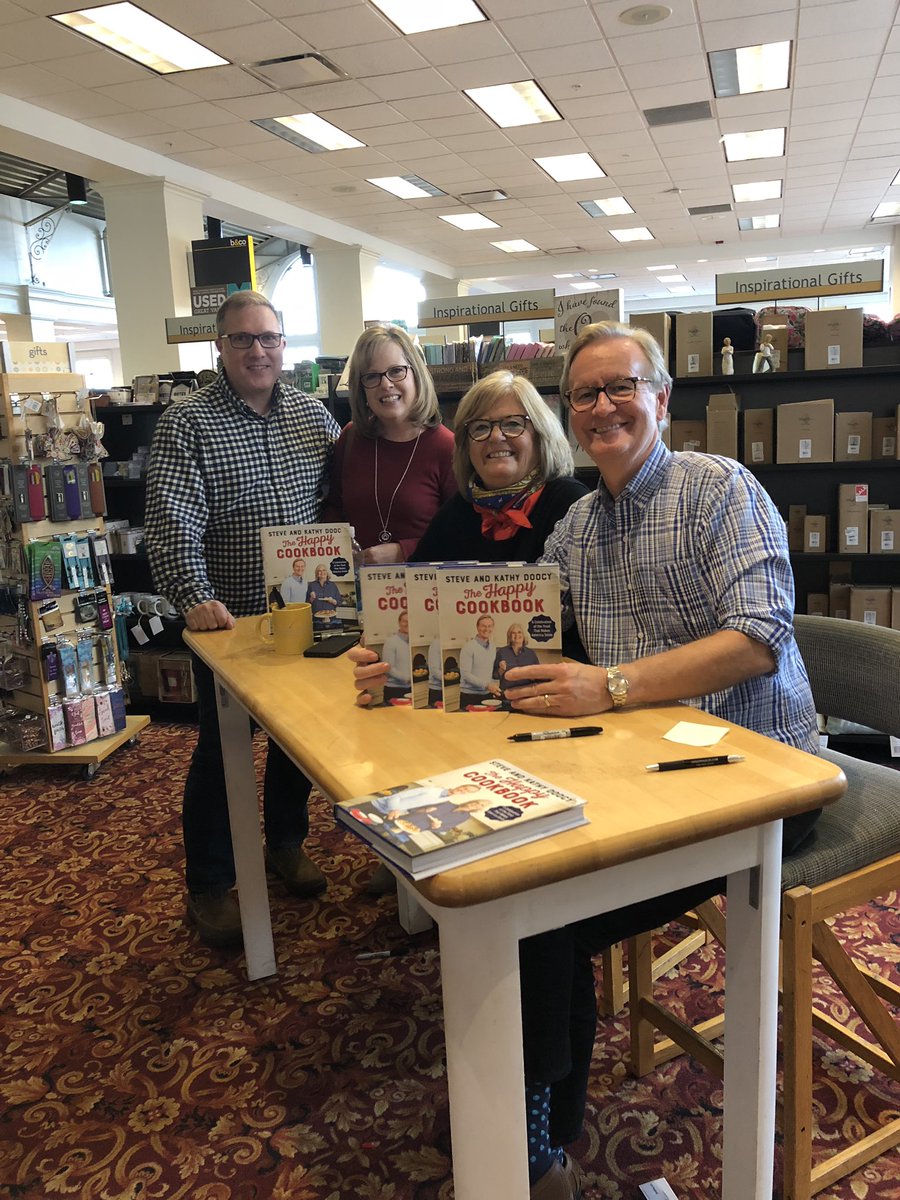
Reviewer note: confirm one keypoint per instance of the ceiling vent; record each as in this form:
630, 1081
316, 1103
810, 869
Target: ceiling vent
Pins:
295, 71
678, 114
705, 210
487, 197
564, 250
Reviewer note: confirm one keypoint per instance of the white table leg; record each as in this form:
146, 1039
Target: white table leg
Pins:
483, 1027
751, 1008
243, 815
412, 916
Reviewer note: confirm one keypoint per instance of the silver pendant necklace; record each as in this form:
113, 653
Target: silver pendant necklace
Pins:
386, 535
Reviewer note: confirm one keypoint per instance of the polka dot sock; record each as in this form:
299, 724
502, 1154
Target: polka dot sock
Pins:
541, 1154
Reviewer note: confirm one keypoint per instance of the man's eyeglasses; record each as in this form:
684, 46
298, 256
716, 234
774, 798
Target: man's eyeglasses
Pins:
510, 427
372, 379
243, 341
617, 391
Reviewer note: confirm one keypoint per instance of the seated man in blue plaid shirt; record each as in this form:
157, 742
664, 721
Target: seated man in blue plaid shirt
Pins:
244, 452
676, 572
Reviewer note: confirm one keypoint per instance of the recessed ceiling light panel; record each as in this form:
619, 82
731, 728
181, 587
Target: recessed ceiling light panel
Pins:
515, 246
512, 104
768, 221
566, 167
887, 208
128, 30
639, 234
758, 143
414, 16
469, 221
677, 278
611, 206
309, 132
767, 189
407, 187
747, 69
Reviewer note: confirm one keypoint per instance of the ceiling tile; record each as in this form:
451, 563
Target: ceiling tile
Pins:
487, 72
221, 83
850, 14
330, 30
750, 30
36, 40
253, 43
673, 70
840, 47
562, 60
202, 15
648, 46
419, 84
363, 116
550, 29
382, 58
129, 125
80, 104
467, 42
581, 84
25, 82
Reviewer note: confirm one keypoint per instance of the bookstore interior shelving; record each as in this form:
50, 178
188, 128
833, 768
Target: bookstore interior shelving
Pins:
60, 671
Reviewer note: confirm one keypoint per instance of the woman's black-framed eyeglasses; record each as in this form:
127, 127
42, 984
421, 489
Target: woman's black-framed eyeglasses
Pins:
617, 391
481, 429
372, 379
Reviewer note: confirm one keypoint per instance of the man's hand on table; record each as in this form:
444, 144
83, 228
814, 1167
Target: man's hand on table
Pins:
210, 615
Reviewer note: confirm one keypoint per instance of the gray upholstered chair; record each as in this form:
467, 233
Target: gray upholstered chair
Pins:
852, 857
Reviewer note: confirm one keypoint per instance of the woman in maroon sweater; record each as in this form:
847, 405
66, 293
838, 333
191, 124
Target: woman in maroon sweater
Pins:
393, 464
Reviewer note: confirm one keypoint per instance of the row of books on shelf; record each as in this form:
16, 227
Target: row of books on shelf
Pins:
482, 350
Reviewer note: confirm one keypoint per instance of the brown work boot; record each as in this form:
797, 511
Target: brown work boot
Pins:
561, 1182
382, 882
216, 917
299, 874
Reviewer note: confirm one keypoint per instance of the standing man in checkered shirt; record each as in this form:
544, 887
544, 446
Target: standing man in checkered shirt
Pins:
244, 452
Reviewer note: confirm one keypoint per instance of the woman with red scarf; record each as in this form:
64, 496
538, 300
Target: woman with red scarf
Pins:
513, 467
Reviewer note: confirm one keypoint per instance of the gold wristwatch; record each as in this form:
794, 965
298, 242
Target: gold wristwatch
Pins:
617, 686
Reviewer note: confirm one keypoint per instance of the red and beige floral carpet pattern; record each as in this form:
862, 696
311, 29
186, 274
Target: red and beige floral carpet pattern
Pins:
137, 1064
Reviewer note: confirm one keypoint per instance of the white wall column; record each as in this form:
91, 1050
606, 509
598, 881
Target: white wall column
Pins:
343, 282
150, 227
437, 287
894, 282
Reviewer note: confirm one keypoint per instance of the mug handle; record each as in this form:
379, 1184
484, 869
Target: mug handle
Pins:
269, 637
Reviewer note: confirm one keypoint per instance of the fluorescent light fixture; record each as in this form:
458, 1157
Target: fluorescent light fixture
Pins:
566, 167
864, 250
612, 206
769, 221
567, 275
761, 258
664, 267
308, 132
895, 182
509, 104
470, 221
681, 291
515, 246
672, 278
758, 143
595, 275
407, 187
639, 234
768, 189
412, 16
702, 260
887, 208
130, 31
584, 286
763, 68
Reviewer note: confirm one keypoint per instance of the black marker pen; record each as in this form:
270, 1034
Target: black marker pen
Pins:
546, 735
685, 764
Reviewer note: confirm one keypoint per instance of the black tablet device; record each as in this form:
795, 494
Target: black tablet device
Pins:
332, 646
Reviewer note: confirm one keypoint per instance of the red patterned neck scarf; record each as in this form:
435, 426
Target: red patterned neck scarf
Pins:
504, 511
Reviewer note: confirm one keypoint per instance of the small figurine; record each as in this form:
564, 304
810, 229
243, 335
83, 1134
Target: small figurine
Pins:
727, 357
762, 360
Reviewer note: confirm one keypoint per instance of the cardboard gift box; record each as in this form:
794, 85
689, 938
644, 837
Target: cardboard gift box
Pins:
815, 535
834, 338
871, 605
689, 435
722, 424
852, 437
853, 518
884, 437
805, 432
759, 429
693, 343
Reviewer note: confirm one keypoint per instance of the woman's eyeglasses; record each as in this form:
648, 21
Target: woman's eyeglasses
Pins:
617, 391
243, 341
372, 379
510, 427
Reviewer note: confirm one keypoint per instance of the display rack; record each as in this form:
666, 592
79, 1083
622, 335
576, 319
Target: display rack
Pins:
27, 404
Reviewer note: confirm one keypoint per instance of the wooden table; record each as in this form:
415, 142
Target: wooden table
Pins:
648, 833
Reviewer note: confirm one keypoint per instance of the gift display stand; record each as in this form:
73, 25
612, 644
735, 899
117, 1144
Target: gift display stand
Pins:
32, 408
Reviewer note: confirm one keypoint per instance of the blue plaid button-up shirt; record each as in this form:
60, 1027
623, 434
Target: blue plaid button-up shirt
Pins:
691, 546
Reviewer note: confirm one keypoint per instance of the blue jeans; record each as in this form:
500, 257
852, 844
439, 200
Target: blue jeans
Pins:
209, 861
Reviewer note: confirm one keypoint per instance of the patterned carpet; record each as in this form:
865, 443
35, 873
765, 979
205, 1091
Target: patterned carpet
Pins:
138, 1064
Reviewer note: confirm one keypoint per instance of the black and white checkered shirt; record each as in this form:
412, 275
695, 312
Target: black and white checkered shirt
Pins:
218, 473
